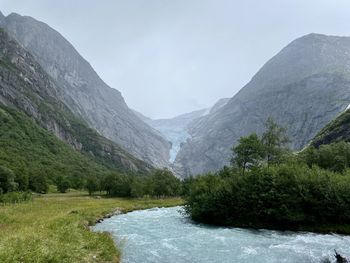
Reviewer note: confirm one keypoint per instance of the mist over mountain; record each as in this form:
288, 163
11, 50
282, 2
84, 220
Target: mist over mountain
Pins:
82, 90
303, 88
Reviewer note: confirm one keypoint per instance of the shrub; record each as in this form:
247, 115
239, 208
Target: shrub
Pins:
289, 196
15, 197
7, 180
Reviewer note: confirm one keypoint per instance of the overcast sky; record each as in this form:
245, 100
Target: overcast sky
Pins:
173, 56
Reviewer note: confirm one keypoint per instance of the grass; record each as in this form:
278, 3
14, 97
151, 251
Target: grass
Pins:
54, 228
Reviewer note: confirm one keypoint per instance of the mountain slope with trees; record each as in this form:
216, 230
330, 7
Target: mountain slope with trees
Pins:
85, 93
336, 130
25, 87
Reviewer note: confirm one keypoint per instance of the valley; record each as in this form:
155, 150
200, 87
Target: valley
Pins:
258, 172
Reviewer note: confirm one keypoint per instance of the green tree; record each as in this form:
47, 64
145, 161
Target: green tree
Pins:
138, 187
249, 152
334, 156
92, 184
38, 183
275, 141
63, 184
122, 185
165, 183
7, 180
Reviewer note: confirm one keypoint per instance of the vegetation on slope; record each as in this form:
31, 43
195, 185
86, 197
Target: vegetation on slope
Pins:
31, 158
26, 87
337, 130
54, 228
269, 187
36, 157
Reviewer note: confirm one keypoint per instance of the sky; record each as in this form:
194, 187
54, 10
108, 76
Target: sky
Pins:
168, 57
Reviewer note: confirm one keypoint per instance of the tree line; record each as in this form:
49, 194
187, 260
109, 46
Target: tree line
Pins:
160, 183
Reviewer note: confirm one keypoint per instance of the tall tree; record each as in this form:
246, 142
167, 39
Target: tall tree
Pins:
275, 141
92, 184
249, 152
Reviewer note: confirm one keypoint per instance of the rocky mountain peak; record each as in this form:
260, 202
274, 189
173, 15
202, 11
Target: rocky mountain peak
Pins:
85, 93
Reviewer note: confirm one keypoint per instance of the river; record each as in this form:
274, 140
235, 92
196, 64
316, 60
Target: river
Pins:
165, 235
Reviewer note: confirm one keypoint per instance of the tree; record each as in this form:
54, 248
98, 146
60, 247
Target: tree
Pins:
116, 184
121, 185
275, 141
138, 187
63, 184
92, 185
38, 183
7, 180
165, 183
249, 152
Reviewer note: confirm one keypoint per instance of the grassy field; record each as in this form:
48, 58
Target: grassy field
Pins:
54, 228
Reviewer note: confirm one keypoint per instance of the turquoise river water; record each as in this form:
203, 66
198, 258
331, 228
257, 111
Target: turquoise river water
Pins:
165, 235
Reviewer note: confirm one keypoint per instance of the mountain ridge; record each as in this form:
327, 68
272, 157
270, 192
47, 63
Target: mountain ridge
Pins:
26, 87
85, 93
303, 87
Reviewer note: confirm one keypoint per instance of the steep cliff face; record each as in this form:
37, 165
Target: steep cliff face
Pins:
303, 87
25, 86
102, 107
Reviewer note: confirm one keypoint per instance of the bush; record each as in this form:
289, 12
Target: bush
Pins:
7, 180
334, 156
289, 196
15, 197
38, 183
63, 184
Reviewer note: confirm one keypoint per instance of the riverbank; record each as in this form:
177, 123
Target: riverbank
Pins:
54, 227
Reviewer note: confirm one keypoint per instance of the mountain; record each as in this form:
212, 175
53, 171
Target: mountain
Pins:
196, 122
26, 88
303, 88
83, 91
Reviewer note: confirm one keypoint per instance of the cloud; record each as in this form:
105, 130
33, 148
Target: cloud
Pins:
169, 57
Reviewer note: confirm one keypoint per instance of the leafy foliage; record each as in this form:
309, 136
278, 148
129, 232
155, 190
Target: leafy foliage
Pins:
161, 183
305, 191
63, 184
334, 156
287, 196
249, 152
274, 140
7, 180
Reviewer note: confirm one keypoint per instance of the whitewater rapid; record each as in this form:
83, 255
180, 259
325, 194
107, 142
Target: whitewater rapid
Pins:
165, 235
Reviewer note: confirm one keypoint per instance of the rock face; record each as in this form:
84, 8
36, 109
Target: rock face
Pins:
87, 96
303, 87
26, 87
175, 129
